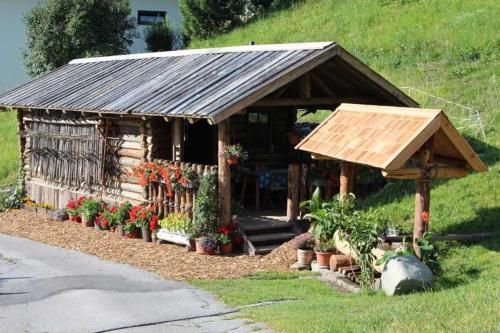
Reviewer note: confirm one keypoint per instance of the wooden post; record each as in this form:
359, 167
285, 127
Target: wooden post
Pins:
346, 179
177, 139
422, 202
292, 202
224, 174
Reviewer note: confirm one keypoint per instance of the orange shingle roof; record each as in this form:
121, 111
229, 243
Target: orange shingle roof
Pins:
386, 137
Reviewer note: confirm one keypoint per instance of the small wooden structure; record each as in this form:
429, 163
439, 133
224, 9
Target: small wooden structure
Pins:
85, 125
405, 143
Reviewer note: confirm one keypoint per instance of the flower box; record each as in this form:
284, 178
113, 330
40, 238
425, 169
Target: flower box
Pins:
176, 237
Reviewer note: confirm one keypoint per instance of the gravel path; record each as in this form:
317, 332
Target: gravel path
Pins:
169, 261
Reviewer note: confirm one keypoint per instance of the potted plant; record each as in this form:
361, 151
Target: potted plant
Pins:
225, 243
118, 216
234, 154
130, 230
304, 244
90, 209
73, 208
144, 217
324, 250
206, 213
206, 244
175, 228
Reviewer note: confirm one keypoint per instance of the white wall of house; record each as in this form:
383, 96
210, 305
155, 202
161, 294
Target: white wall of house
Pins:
13, 34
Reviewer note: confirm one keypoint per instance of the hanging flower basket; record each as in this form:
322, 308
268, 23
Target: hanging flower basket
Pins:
233, 160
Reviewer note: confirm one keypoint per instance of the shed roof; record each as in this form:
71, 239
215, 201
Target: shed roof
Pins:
387, 137
205, 83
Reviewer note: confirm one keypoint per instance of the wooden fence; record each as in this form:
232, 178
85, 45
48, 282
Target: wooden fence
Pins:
183, 198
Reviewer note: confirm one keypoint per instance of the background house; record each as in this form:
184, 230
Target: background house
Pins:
13, 33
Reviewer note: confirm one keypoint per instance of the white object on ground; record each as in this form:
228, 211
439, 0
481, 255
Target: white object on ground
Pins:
404, 274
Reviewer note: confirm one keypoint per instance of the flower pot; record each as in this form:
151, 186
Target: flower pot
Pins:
75, 218
132, 234
226, 248
323, 258
293, 139
85, 222
146, 234
154, 236
120, 230
304, 257
96, 226
233, 160
200, 249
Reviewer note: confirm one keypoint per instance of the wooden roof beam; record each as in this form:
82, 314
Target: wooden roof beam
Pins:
312, 101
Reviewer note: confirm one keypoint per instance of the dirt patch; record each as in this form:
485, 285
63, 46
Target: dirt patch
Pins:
169, 261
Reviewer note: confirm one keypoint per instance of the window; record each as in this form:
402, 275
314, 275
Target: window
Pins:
258, 118
147, 17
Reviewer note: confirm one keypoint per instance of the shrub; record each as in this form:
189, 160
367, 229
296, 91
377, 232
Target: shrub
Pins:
160, 36
206, 212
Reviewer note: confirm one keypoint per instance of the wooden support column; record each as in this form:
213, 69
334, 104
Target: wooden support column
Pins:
177, 139
224, 174
422, 196
292, 202
346, 179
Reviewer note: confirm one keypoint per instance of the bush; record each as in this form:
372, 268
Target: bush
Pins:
160, 36
61, 30
206, 212
205, 18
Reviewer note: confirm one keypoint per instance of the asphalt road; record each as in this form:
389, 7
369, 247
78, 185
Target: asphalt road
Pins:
49, 289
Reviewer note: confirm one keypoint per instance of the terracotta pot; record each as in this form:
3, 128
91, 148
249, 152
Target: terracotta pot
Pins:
226, 248
304, 257
323, 258
293, 139
233, 160
120, 230
86, 223
200, 249
146, 234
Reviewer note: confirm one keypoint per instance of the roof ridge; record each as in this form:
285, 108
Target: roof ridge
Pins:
231, 49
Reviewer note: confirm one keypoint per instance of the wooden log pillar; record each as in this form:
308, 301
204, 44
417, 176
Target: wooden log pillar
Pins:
292, 202
346, 179
224, 174
422, 203
177, 140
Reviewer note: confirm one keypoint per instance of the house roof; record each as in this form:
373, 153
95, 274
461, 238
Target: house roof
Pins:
205, 83
387, 137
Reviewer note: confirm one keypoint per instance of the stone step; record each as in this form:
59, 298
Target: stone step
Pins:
275, 236
266, 248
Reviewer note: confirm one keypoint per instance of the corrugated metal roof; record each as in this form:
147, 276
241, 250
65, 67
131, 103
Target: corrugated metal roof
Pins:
386, 137
188, 83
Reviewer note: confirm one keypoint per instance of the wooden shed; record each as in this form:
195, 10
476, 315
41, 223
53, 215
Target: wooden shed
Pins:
404, 143
84, 125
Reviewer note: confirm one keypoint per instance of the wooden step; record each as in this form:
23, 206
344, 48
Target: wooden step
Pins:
266, 248
275, 236
260, 226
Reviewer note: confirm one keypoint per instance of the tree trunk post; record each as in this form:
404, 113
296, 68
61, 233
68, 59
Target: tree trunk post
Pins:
224, 174
177, 139
292, 202
422, 203
346, 179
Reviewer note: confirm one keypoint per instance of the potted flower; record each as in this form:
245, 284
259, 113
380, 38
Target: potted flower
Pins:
118, 216
130, 230
206, 244
304, 244
175, 228
143, 217
225, 243
90, 209
73, 208
101, 221
234, 154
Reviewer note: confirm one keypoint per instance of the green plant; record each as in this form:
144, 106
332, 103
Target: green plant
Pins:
223, 239
324, 247
160, 36
176, 222
206, 211
237, 208
91, 208
236, 150
208, 242
304, 242
61, 30
11, 199
428, 250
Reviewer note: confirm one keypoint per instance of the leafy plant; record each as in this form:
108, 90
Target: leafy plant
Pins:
176, 222
144, 216
208, 242
324, 247
236, 150
91, 208
304, 242
12, 199
206, 211
160, 36
223, 239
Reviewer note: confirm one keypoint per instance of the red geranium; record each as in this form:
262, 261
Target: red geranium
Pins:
425, 216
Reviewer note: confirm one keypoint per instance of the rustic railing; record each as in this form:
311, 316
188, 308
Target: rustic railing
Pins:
183, 197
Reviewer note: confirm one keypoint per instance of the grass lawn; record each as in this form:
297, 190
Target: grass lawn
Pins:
9, 157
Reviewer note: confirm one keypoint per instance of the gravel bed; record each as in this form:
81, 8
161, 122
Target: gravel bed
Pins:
168, 260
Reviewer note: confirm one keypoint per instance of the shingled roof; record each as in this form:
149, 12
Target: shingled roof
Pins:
205, 83
387, 137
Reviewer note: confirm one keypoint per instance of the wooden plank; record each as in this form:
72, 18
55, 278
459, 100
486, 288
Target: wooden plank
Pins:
224, 175
346, 179
311, 101
292, 202
177, 139
433, 173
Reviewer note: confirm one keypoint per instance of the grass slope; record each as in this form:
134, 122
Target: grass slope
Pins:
9, 157
448, 48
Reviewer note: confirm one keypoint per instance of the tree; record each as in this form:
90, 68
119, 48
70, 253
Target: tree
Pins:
206, 18
160, 36
61, 30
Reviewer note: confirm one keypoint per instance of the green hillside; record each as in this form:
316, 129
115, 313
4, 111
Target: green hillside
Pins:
446, 48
